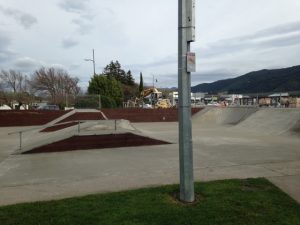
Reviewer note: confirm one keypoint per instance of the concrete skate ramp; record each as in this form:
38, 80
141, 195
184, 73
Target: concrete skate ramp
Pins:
216, 116
34, 138
273, 121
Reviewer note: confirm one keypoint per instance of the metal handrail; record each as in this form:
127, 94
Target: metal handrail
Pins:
57, 124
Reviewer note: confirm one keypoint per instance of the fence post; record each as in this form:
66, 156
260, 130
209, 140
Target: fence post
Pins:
20, 135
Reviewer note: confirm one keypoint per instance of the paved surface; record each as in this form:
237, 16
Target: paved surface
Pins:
221, 151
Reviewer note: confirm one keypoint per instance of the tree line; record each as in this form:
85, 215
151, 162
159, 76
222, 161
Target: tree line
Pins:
45, 83
114, 85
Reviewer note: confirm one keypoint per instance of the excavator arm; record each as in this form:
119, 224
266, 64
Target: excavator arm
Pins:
147, 92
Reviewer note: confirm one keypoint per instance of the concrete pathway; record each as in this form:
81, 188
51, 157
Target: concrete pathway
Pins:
219, 153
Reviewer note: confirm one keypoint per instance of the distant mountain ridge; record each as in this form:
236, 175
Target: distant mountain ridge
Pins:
277, 80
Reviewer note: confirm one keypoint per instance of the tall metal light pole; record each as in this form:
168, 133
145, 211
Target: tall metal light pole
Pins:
186, 65
94, 63
92, 60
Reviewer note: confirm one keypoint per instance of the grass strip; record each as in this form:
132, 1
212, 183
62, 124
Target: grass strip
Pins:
229, 202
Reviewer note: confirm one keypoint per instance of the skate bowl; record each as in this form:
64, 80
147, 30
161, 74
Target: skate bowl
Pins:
267, 121
273, 121
216, 116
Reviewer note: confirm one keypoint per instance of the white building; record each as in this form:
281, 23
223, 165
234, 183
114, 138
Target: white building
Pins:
196, 98
233, 98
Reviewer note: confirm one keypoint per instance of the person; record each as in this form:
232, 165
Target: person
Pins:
287, 104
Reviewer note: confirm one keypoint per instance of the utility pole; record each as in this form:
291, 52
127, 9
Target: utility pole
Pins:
93, 60
153, 81
186, 65
94, 64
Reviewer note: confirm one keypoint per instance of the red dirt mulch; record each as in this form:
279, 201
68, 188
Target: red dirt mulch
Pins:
11, 118
59, 127
145, 115
83, 116
97, 142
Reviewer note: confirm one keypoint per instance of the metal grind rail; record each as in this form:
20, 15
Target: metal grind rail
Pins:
21, 132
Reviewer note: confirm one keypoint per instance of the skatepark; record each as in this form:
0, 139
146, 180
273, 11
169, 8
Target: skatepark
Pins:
233, 142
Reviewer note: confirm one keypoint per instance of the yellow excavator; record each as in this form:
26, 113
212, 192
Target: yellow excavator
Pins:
163, 104
156, 99
155, 94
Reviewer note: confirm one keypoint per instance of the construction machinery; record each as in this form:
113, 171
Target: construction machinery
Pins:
155, 98
155, 94
163, 104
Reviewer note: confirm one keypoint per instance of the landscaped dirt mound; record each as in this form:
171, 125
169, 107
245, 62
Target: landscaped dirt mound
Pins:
83, 116
145, 115
10, 118
97, 142
59, 127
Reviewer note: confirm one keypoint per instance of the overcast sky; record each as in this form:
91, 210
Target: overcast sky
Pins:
233, 37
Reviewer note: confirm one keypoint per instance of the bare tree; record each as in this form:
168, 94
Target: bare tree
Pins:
56, 82
13, 80
13, 88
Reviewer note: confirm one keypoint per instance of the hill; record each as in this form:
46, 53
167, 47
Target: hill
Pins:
278, 80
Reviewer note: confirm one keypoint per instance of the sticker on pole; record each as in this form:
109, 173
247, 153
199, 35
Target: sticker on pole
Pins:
191, 62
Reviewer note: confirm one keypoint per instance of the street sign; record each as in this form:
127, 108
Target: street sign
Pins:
191, 62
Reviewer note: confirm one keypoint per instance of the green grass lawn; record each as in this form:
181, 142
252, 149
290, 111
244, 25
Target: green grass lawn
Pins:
235, 202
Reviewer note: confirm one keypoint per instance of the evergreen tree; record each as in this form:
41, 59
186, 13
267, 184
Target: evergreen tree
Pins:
129, 78
114, 70
108, 87
141, 87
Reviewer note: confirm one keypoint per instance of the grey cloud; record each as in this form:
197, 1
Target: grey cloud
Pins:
208, 77
24, 19
291, 40
274, 37
74, 6
164, 61
5, 53
58, 66
83, 26
4, 40
5, 56
84, 16
69, 43
225, 54
197, 78
27, 64
74, 66
278, 30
